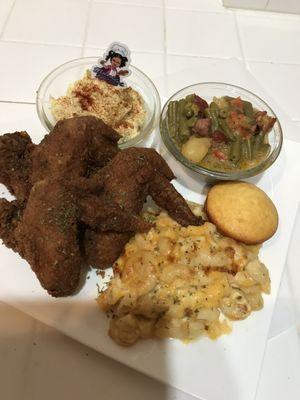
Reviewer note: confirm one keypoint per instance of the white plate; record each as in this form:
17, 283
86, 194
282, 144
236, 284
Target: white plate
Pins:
224, 369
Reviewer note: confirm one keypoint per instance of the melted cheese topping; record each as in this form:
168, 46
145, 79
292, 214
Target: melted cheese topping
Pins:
182, 282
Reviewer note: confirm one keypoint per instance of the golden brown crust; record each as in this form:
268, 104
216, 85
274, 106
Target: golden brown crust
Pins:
242, 211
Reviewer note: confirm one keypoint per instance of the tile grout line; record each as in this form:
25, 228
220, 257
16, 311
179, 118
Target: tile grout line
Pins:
195, 55
266, 6
126, 4
197, 10
242, 11
7, 19
86, 28
238, 33
292, 64
92, 46
16, 102
75, 46
149, 52
185, 55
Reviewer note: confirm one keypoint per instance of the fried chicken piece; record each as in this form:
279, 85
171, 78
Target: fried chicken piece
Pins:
46, 235
166, 196
76, 147
104, 214
133, 174
105, 247
10, 215
69, 187
15, 163
50, 237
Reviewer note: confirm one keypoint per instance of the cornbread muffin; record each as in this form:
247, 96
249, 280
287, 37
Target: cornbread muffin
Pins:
242, 211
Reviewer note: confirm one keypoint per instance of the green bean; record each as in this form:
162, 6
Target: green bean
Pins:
228, 98
258, 142
183, 129
265, 148
226, 130
247, 148
249, 112
190, 109
235, 151
214, 111
189, 114
207, 113
177, 120
181, 120
224, 112
248, 109
190, 98
171, 119
191, 122
184, 134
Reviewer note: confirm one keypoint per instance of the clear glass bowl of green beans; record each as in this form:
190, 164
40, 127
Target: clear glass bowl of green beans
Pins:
221, 131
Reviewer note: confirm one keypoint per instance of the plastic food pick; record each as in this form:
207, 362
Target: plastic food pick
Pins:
114, 65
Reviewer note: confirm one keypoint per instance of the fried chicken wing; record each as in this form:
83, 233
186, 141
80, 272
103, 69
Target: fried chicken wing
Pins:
102, 249
38, 176
127, 180
79, 198
10, 215
104, 214
135, 173
15, 163
49, 233
74, 148
166, 196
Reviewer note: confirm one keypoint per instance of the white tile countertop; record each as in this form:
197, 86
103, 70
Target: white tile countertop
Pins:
176, 43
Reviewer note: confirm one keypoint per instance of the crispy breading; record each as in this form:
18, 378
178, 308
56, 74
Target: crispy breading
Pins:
48, 235
75, 147
76, 191
102, 249
15, 163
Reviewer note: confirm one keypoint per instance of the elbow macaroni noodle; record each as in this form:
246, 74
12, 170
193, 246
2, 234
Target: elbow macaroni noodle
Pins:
182, 283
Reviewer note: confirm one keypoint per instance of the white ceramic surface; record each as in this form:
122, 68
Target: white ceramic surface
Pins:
44, 16
141, 29
5, 7
191, 38
34, 355
205, 362
273, 78
270, 37
26, 65
29, 371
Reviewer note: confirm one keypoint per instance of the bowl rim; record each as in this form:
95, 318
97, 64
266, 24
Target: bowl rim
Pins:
48, 79
222, 175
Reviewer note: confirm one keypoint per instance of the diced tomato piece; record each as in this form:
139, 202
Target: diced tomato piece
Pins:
244, 132
219, 137
233, 119
219, 154
237, 104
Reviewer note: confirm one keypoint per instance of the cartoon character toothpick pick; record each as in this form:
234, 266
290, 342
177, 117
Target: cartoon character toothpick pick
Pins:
114, 65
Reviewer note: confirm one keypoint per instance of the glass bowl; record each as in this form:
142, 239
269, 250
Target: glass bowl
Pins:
208, 90
56, 84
